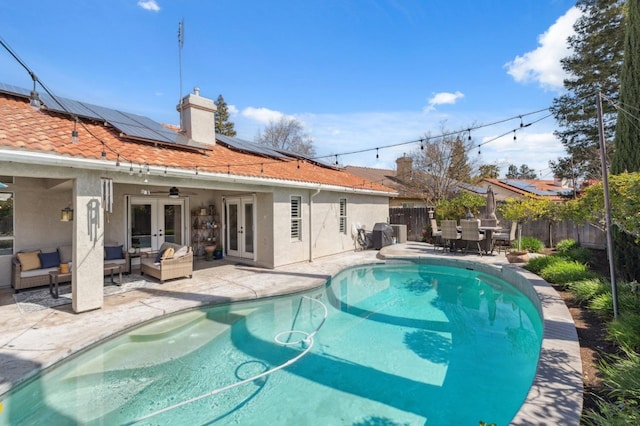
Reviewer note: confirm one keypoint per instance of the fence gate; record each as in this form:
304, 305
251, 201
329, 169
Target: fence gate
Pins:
416, 218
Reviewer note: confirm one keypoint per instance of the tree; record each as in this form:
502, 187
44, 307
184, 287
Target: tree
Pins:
223, 125
440, 165
524, 172
594, 65
626, 157
287, 134
490, 171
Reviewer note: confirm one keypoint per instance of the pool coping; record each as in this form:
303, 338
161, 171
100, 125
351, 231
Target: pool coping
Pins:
556, 394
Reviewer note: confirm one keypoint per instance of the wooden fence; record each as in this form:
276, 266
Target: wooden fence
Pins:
417, 219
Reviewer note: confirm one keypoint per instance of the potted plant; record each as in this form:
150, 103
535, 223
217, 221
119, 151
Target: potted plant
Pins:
522, 211
217, 252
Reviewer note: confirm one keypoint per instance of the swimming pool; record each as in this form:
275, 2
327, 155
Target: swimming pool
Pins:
401, 344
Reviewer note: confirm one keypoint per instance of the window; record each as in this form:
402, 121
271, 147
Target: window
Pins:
296, 217
6, 224
343, 215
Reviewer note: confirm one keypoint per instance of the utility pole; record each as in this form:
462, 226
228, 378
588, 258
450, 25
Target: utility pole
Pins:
607, 205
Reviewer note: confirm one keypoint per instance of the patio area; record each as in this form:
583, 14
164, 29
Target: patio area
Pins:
34, 340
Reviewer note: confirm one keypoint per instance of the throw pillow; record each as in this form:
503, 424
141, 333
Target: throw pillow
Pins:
159, 256
65, 253
49, 260
29, 260
114, 252
181, 252
168, 253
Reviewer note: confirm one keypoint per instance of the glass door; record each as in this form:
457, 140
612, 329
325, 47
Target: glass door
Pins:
240, 235
153, 221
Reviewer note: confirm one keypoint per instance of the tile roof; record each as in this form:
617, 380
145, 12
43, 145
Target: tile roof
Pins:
22, 128
538, 188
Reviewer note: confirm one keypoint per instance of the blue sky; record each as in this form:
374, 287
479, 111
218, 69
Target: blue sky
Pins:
359, 74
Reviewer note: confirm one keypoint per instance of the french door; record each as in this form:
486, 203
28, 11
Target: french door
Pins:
153, 221
240, 227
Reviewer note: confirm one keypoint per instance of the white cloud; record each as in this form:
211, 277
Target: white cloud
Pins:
233, 111
265, 115
443, 98
543, 64
151, 5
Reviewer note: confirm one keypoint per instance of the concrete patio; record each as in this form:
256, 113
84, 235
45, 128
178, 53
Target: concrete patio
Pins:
33, 341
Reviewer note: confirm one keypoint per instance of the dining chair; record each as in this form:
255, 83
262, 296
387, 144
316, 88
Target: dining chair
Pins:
505, 238
450, 234
436, 234
471, 233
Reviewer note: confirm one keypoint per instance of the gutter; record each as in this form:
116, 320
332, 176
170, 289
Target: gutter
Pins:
41, 159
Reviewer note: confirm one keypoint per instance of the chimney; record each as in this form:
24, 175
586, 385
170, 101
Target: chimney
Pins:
404, 167
197, 118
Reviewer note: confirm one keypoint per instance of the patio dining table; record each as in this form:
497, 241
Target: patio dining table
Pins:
487, 243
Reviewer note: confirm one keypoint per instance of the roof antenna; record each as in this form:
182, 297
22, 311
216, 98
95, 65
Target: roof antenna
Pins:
180, 44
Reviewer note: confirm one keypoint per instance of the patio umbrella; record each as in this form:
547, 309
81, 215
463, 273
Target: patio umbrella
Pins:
491, 204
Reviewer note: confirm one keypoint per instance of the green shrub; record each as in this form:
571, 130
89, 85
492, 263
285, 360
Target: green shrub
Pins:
537, 264
566, 245
602, 304
626, 330
565, 271
584, 291
530, 244
579, 254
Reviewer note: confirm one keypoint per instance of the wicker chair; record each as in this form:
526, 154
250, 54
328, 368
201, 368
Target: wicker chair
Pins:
436, 234
450, 234
505, 238
167, 269
471, 233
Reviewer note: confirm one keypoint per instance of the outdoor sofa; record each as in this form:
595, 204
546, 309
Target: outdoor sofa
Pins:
30, 268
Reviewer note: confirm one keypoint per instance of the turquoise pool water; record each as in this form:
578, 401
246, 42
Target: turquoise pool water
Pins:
380, 344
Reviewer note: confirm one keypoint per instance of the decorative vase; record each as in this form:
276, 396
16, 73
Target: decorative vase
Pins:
518, 257
208, 250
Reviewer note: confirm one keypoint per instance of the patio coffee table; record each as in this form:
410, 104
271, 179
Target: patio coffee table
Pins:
111, 268
54, 278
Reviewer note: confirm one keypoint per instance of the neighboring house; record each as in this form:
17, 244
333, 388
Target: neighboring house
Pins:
131, 181
399, 180
554, 190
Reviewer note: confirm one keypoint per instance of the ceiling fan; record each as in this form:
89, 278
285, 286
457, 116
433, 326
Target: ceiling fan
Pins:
173, 192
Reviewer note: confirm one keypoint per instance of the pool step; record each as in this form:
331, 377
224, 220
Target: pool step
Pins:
165, 328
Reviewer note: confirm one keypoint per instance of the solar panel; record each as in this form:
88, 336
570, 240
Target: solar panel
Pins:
529, 187
246, 146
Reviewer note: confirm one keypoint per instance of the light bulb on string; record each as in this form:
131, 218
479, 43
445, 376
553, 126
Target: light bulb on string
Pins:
479, 150
421, 144
103, 154
469, 130
118, 160
261, 168
336, 160
514, 135
130, 168
521, 124
377, 155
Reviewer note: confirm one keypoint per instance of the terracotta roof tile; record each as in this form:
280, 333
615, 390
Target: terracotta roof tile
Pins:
43, 131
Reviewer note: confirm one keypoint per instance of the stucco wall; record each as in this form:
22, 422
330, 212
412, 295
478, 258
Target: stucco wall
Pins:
320, 235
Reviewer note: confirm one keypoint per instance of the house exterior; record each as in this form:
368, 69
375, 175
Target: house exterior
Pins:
133, 182
399, 180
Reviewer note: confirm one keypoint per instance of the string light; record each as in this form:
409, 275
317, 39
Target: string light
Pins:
336, 160
421, 144
103, 154
130, 168
521, 124
514, 135
118, 160
469, 130
261, 168
298, 161
377, 155
196, 170
165, 170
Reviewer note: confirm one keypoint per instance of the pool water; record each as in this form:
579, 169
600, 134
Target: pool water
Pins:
400, 344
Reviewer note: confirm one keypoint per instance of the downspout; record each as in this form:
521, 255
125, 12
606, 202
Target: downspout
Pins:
311, 224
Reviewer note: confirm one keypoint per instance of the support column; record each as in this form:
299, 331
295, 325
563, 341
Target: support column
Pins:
88, 243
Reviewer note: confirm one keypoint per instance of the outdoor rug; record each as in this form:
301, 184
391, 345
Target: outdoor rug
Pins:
40, 298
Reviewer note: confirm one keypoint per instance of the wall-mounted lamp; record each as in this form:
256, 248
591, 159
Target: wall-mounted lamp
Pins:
66, 215
174, 192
